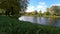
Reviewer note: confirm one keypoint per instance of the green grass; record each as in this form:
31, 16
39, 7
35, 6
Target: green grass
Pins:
52, 16
10, 25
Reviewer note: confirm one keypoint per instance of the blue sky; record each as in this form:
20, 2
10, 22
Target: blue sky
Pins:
41, 5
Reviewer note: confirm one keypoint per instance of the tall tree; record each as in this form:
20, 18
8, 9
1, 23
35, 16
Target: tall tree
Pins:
40, 13
55, 10
47, 11
35, 12
12, 6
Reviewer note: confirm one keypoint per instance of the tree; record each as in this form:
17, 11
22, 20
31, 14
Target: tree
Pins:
47, 11
35, 12
55, 10
12, 7
40, 13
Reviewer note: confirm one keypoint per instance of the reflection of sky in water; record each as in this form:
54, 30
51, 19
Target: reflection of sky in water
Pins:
41, 20
26, 18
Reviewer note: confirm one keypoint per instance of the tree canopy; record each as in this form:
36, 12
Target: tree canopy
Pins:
12, 6
55, 10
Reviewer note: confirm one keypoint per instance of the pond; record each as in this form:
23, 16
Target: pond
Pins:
42, 20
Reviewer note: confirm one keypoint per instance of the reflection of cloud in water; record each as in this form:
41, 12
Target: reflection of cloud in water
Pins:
41, 20
26, 18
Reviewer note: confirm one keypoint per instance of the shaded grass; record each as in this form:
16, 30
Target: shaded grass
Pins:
10, 25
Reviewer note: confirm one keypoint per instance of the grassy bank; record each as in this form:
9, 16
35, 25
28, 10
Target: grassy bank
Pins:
9, 25
52, 16
44, 16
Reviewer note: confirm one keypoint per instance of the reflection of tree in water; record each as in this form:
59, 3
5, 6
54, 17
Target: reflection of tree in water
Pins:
35, 19
57, 22
52, 21
40, 20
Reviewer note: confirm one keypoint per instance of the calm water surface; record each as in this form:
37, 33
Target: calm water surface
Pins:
42, 20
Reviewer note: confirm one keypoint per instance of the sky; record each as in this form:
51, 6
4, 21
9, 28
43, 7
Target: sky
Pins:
41, 5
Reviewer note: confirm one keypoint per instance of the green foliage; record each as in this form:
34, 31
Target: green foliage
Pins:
35, 12
40, 13
7, 5
10, 25
55, 9
46, 14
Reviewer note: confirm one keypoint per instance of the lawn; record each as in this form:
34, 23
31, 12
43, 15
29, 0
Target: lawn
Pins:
10, 25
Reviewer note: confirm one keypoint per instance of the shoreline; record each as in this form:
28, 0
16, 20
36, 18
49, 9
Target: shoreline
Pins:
44, 16
13, 26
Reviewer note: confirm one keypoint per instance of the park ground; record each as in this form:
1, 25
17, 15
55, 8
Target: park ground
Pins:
11, 25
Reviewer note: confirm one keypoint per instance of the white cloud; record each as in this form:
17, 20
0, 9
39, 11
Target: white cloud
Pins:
55, 4
41, 6
42, 3
30, 9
